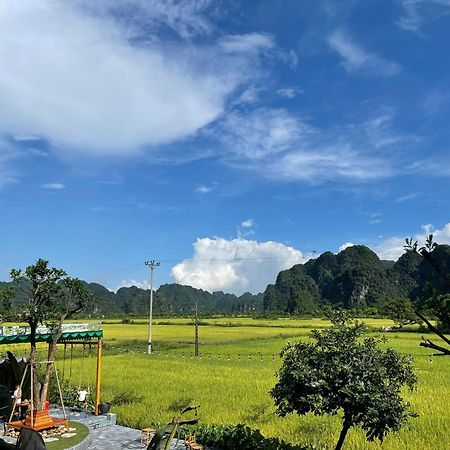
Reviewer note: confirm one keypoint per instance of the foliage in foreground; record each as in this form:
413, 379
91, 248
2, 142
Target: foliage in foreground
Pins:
340, 373
162, 439
240, 437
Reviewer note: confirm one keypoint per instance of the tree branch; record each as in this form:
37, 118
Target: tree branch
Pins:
428, 344
428, 257
432, 328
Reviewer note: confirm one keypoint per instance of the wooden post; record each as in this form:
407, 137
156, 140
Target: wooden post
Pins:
32, 392
99, 375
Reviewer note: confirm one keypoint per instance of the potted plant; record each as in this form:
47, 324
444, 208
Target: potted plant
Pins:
104, 407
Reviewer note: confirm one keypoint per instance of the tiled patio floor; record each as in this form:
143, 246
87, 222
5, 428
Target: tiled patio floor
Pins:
101, 437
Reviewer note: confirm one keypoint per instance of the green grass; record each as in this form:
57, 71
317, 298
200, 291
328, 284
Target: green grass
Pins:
62, 443
235, 389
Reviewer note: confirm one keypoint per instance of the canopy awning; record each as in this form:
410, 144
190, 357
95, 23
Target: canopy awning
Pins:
48, 337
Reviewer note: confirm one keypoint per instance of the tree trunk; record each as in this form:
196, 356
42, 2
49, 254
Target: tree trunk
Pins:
342, 436
33, 356
33, 351
48, 370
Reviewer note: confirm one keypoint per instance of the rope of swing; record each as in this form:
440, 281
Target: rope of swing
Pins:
71, 363
64, 361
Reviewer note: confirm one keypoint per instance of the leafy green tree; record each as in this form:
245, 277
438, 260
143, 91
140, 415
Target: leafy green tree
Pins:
6, 298
438, 303
401, 311
340, 373
46, 295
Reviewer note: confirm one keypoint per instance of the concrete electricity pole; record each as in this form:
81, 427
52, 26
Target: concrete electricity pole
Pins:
152, 264
196, 352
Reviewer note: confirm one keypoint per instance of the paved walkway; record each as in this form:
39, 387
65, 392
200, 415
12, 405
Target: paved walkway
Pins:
115, 437
101, 437
118, 437
109, 437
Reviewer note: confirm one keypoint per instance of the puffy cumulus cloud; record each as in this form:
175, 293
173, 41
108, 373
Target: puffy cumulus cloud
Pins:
393, 247
346, 245
235, 265
129, 283
247, 223
77, 78
356, 58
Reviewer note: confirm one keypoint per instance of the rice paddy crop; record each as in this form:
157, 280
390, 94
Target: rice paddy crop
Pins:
236, 370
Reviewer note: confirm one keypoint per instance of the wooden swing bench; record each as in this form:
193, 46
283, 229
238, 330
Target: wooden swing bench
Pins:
41, 421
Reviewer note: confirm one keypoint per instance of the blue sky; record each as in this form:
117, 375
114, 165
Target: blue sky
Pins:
227, 139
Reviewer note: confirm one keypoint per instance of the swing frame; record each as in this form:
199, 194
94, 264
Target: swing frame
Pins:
90, 337
99, 344
37, 420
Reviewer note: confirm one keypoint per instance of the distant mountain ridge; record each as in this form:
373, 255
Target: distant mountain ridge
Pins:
170, 299
353, 278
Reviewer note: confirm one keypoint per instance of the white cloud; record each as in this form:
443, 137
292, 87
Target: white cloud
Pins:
7, 174
289, 92
407, 197
73, 77
375, 218
437, 167
54, 186
414, 11
206, 189
282, 147
235, 265
338, 162
187, 18
257, 44
261, 132
247, 43
393, 247
346, 245
203, 189
144, 284
356, 58
378, 131
248, 96
247, 223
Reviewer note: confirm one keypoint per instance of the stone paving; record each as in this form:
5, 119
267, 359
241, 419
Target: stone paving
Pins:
104, 434
118, 437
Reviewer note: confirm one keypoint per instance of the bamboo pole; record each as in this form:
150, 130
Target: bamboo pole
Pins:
32, 394
99, 375
60, 391
15, 399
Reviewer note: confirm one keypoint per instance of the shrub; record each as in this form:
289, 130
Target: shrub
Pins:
240, 437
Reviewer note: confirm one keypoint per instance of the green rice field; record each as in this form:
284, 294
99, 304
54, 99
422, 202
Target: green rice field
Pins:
236, 370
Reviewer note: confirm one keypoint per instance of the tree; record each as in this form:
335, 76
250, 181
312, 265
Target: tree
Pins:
47, 295
6, 298
401, 311
439, 304
338, 372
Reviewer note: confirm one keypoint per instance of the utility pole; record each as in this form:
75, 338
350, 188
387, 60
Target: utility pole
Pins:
196, 329
152, 264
